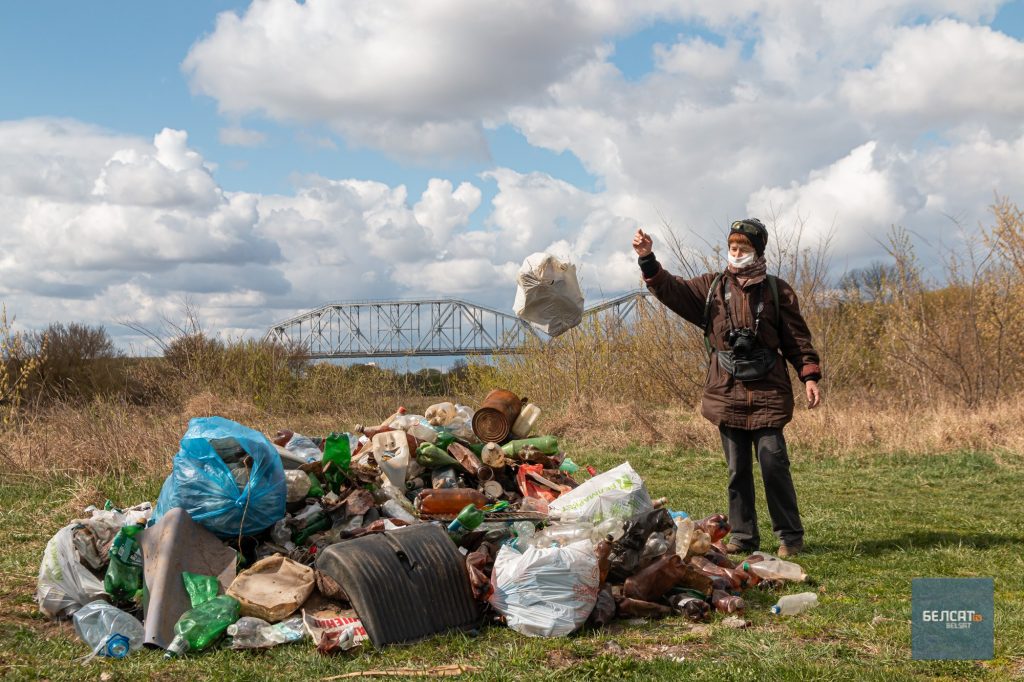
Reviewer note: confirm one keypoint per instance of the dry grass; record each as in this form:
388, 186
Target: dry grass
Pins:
107, 438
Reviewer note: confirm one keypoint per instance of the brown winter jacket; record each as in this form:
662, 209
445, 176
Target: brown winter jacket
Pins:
766, 402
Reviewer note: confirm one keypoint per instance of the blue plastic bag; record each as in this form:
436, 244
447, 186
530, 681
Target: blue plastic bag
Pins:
202, 483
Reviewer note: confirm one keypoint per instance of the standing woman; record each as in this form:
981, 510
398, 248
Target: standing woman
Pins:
752, 326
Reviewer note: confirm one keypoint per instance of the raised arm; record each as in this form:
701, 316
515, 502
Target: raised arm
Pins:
685, 297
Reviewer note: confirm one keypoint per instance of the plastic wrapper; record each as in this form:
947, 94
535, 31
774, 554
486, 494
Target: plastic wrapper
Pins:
202, 484
545, 592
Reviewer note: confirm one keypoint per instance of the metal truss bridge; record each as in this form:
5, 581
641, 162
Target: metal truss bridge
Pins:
388, 329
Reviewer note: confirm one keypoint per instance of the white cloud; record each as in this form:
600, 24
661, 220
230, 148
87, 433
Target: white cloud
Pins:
407, 76
236, 136
699, 59
856, 194
943, 72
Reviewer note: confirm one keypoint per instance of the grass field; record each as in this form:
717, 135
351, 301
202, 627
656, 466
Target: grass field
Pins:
874, 522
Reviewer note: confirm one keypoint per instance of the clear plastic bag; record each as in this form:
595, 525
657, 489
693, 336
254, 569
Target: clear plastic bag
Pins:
545, 592
65, 585
203, 485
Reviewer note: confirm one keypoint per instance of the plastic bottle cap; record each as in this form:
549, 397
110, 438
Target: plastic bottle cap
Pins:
117, 646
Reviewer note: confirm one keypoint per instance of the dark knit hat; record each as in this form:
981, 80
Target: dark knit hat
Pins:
754, 230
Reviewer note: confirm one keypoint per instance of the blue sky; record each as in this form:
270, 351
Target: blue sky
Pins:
280, 159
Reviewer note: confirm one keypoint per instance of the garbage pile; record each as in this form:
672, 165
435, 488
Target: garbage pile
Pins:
390, 533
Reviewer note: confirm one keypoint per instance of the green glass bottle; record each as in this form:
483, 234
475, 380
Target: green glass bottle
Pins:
200, 627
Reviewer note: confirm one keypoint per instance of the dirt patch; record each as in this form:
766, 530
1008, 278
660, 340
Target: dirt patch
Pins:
561, 658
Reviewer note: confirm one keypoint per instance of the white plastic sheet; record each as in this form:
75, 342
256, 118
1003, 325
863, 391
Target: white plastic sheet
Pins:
618, 492
545, 592
548, 295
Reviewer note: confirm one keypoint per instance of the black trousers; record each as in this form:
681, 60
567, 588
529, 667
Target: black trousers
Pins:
769, 446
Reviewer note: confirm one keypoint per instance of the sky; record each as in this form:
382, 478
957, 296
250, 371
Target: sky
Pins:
261, 159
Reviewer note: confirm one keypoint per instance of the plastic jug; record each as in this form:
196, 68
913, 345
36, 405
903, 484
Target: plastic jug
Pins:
524, 422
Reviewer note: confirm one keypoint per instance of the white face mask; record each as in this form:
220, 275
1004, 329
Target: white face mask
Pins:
742, 261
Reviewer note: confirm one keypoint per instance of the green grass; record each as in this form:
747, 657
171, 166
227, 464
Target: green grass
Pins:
873, 523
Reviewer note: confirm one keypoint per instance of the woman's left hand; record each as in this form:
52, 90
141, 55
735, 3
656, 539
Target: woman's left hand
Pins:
813, 394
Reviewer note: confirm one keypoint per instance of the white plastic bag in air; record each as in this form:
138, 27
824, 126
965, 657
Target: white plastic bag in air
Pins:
545, 592
548, 295
618, 492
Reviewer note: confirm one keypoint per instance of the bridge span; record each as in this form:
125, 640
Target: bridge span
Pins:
434, 327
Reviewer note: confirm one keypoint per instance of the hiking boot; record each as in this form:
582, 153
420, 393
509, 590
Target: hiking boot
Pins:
791, 550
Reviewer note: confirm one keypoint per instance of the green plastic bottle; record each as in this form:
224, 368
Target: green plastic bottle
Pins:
546, 444
432, 457
469, 519
315, 490
123, 579
200, 627
444, 439
338, 455
200, 588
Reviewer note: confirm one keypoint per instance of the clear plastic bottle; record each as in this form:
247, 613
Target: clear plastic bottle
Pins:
255, 633
793, 604
776, 569
684, 535
304, 447
108, 630
612, 526
297, 485
563, 534
524, 532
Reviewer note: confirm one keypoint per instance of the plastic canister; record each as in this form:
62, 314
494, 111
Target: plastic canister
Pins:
525, 421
